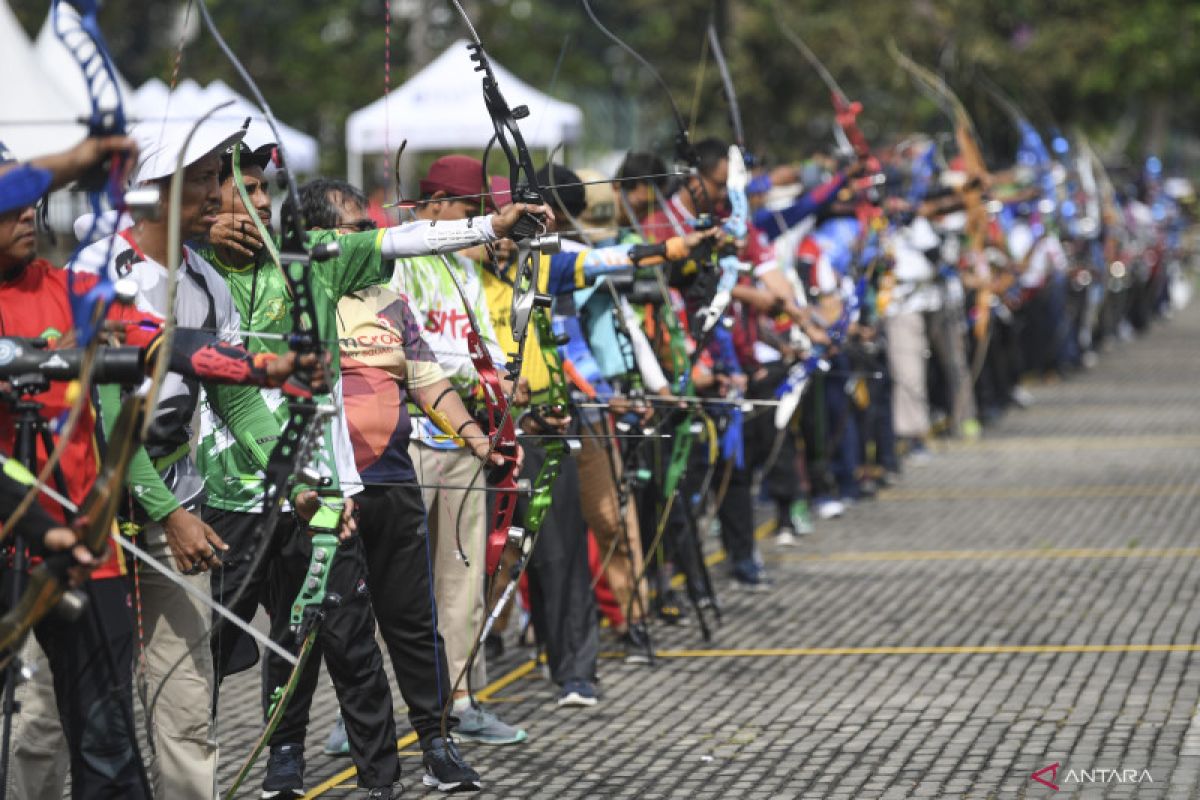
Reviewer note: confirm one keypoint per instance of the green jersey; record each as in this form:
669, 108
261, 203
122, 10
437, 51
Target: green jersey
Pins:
232, 478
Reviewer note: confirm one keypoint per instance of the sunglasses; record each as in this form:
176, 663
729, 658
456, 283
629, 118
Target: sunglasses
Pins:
358, 225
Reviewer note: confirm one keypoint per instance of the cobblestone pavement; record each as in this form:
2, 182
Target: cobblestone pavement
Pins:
1025, 601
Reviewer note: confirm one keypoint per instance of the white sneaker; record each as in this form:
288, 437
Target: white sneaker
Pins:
830, 509
1022, 396
785, 537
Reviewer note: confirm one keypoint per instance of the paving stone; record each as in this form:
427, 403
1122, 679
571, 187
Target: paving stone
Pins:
1104, 462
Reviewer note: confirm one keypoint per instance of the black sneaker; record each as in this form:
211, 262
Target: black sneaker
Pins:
380, 793
636, 640
670, 610
285, 772
445, 769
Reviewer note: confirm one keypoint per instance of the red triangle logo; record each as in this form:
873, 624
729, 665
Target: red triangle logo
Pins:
1053, 770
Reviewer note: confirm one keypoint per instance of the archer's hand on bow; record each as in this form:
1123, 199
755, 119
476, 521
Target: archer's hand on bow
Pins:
503, 222
697, 239
73, 164
60, 540
280, 368
546, 423
309, 501
194, 544
619, 406
521, 396
236, 233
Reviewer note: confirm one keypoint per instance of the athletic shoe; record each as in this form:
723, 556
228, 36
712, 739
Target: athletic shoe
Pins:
577, 694
830, 509
750, 577
670, 610
801, 519
445, 769
785, 536
380, 793
285, 772
918, 455
971, 430
1022, 396
337, 744
477, 724
638, 649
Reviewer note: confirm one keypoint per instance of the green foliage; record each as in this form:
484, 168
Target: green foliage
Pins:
1087, 63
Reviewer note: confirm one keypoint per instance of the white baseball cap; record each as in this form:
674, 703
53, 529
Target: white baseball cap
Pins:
161, 141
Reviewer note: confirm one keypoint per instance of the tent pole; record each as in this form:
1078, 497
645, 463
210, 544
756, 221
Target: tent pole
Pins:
354, 167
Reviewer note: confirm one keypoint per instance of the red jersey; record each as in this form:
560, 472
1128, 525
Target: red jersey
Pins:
757, 251
37, 305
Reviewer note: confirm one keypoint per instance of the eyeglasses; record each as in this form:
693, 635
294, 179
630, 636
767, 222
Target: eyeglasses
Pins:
358, 226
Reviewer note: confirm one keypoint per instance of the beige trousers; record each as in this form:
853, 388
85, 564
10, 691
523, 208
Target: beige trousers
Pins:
602, 512
40, 760
457, 587
908, 354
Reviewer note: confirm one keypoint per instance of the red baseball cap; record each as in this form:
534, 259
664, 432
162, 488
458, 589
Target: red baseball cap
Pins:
457, 176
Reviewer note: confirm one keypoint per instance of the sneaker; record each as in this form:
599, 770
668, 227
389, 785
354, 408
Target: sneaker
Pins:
638, 649
285, 772
830, 509
801, 519
919, 455
577, 694
477, 724
785, 536
750, 577
337, 744
445, 769
1022, 397
380, 793
971, 430
670, 610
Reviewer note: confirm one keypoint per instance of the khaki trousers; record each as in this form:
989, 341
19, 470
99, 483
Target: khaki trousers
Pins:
602, 511
908, 354
457, 586
40, 761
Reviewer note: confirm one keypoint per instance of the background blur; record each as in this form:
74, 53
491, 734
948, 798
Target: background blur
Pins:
1122, 72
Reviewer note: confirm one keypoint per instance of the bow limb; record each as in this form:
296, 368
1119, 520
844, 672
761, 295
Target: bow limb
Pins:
735, 111
683, 144
684, 151
971, 193
845, 111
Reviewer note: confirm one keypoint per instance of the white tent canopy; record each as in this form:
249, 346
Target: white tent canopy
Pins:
441, 108
154, 101
37, 117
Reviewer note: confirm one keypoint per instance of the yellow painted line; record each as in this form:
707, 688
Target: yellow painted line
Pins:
970, 555
1000, 649
761, 532
500, 684
1034, 443
1042, 492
